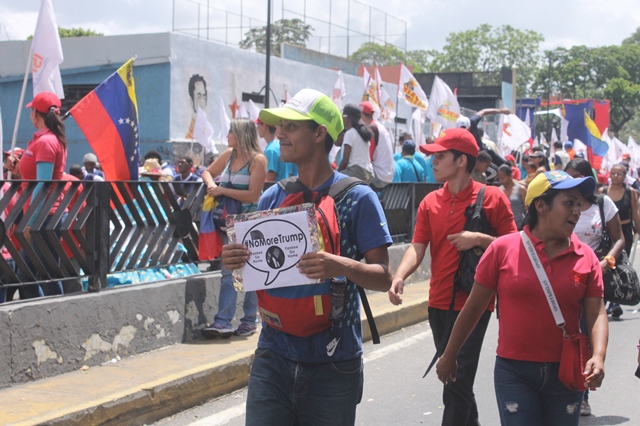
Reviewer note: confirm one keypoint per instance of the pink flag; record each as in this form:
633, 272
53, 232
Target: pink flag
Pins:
46, 52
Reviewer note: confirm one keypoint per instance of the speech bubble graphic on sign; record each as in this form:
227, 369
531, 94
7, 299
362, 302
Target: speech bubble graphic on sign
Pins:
276, 244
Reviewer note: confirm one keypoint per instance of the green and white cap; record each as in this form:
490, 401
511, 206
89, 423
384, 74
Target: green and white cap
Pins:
307, 104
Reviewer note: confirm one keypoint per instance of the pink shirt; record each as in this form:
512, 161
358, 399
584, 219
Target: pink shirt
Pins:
44, 148
528, 331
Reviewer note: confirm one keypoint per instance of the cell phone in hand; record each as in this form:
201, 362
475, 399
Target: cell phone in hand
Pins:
638, 372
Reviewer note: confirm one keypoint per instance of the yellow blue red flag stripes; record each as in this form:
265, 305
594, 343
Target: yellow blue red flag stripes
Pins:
593, 137
108, 117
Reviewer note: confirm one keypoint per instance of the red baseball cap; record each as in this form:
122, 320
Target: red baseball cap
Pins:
367, 107
44, 101
459, 139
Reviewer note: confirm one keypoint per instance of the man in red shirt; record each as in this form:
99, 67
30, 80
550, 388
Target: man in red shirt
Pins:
440, 222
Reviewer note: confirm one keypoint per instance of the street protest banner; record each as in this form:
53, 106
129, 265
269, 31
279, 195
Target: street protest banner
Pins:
276, 239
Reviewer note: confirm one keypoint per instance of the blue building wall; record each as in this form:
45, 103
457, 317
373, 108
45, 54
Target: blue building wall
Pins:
152, 93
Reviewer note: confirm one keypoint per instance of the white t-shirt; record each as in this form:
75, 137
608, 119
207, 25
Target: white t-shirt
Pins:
589, 227
359, 155
383, 163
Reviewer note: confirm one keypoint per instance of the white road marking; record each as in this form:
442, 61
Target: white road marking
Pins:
377, 354
229, 414
222, 417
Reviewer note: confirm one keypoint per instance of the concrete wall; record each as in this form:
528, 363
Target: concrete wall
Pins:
43, 338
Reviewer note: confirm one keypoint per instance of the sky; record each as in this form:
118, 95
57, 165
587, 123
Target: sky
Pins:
563, 23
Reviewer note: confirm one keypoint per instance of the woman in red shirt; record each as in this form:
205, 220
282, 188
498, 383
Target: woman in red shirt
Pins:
45, 158
526, 380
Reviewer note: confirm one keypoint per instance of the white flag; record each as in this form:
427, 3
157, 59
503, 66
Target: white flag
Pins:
418, 119
543, 140
46, 52
513, 132
410, 90
254, 111
578, 146
203, 131
635, 152
610, 159
388, 107
242, 111
443, 105
225, 123
554, 136
339, 91
365, 79
564, 126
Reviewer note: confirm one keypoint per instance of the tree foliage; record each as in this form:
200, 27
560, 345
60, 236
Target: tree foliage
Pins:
74, 32
482, 49
373, 53
607, 72
292, 31
488, 49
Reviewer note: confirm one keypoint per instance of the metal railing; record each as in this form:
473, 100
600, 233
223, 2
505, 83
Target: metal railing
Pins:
102, 228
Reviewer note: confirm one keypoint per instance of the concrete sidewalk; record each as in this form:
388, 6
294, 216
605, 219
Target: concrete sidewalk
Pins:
154, 385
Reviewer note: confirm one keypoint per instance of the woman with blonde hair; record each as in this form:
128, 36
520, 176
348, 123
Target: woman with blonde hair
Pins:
242, 169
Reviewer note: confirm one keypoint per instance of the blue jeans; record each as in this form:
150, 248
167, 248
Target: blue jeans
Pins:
285, 392
228, 297
530, 394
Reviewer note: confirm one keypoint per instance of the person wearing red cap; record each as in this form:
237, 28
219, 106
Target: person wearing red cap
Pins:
439, 224
44, 158
381, 149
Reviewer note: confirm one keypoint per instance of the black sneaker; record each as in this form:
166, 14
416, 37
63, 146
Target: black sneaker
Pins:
616, 312
217, 330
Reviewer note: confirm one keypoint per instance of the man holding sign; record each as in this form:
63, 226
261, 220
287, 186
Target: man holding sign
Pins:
315, 378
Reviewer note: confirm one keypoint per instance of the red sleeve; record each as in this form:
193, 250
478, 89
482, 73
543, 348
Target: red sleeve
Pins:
422, 233
488, 268
498, 212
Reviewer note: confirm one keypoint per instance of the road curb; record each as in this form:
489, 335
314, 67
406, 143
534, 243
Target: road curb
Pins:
149, 402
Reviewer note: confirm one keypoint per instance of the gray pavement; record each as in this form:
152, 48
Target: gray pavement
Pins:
142, 389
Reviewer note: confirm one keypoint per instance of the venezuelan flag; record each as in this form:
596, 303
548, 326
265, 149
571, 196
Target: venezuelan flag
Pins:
108, 117
593, 137
209, 241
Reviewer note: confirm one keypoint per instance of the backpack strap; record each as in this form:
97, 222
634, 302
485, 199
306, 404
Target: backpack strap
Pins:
337, 191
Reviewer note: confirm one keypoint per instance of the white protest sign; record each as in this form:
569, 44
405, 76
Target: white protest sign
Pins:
276, 244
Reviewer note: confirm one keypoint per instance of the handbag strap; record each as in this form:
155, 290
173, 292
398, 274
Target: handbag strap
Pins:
544, 280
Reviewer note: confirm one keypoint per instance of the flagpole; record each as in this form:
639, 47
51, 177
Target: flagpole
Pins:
19, 113
398, 99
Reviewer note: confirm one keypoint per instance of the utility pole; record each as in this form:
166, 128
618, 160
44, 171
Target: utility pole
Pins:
268, 67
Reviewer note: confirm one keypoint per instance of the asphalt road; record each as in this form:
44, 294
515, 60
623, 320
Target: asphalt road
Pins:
395, 393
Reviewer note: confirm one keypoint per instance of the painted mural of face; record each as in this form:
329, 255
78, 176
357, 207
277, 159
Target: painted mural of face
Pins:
199, 96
